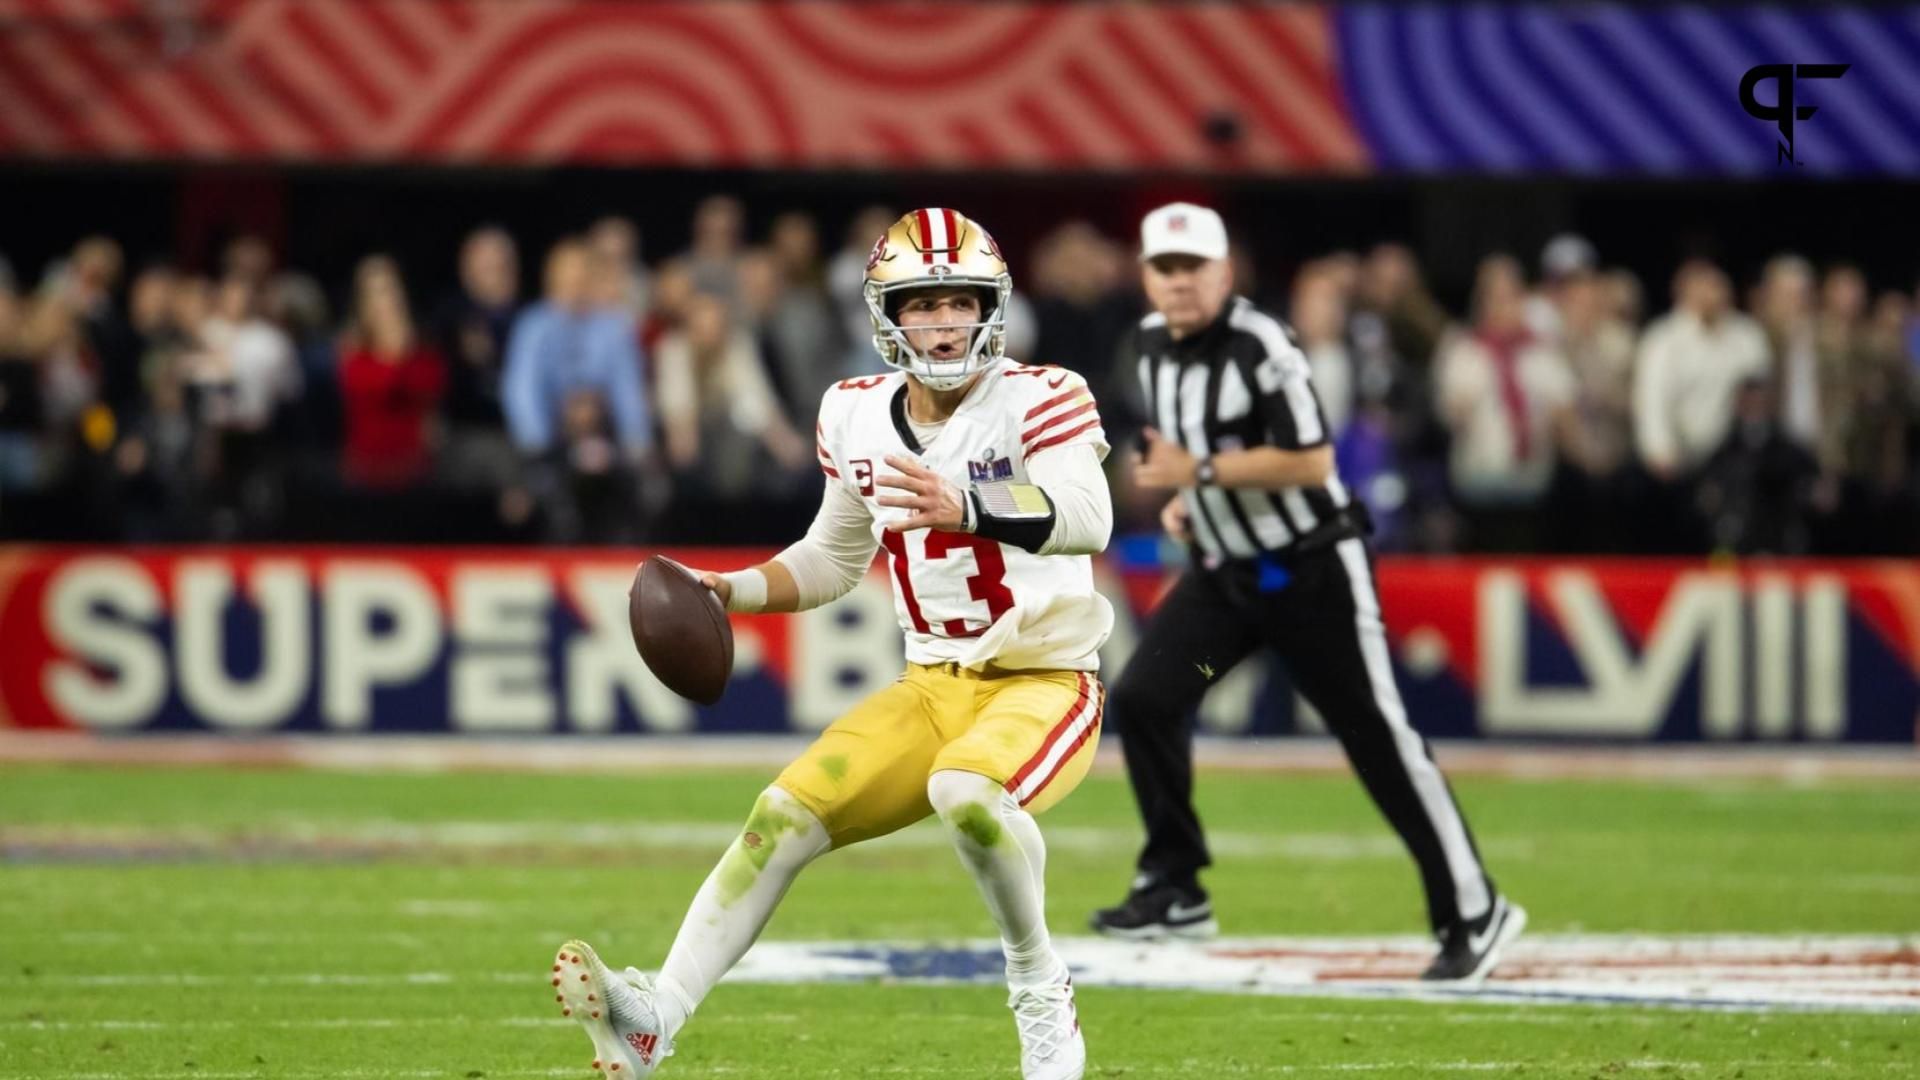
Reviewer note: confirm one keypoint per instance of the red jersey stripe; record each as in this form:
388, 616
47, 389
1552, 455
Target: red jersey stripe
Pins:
1056, 440
1051, 402
1055, 421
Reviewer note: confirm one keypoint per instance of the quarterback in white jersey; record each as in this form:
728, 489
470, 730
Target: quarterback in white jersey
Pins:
961, 597
981, 481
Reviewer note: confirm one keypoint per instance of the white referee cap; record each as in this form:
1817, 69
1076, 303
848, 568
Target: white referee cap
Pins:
1183, 229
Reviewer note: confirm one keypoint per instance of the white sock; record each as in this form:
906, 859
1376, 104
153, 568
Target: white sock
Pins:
1000, 845
733, 906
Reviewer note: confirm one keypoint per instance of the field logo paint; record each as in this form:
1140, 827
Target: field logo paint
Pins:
1839, 973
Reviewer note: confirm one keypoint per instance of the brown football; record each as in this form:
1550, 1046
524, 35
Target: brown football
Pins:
681, 630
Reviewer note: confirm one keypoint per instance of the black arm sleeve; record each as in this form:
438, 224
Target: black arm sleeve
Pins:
1027, 535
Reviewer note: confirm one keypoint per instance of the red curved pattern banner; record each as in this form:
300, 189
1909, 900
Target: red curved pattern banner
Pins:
819, 84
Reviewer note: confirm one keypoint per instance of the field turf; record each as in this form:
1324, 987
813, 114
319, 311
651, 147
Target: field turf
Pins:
220, 924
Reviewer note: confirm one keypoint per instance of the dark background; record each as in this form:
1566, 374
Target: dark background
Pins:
323, 220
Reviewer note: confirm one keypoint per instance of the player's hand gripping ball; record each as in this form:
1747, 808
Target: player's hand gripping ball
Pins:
681, 630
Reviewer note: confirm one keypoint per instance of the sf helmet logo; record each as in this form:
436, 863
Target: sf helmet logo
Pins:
1782, 111
878, 253
993, 246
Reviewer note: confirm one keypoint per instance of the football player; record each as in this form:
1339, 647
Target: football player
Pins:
981, 479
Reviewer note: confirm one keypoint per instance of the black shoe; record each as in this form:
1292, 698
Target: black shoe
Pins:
1158, 909
1469, 950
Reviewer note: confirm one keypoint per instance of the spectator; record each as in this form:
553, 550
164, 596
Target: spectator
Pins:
19, 393
799, 331
846, 278
250, 258
1395, 328
575, 400
68, 315
1599, 484
1691, 365
107, 349
160, 462
1754, 490
247, 373
1507, 397
471, 325
1913, 339
248, 358
150, 306
719, 224
672, 292
614, 243
391, 382
1320, 319
1567, 258
296, 303
1361, 425
1692, 362
1599, 352
1865, 353
560, 346
1389, 287
153, 459
1621, 297
1787, 312
723, 424
610, 286
1085, 309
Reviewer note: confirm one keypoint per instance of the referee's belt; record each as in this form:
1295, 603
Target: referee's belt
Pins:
1347, 523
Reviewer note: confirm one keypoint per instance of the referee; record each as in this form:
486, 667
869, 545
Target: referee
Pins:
1280, 561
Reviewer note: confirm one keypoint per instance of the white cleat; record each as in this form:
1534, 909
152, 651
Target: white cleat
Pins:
617, 1011
1050, 1044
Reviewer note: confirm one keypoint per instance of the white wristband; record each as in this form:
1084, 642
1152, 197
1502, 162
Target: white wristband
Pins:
748, 591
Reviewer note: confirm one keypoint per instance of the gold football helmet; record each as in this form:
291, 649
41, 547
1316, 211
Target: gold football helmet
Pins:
937, 247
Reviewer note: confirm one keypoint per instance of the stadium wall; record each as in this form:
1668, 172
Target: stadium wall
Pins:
461, 641
1599, 89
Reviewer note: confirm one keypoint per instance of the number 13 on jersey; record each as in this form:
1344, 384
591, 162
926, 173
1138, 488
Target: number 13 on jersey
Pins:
931, 572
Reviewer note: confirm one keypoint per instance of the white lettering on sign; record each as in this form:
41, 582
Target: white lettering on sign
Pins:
92, 606
357, 658
500, 680
203, 588
1743, 638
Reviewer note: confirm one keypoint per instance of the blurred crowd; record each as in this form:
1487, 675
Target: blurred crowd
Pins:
1569, 407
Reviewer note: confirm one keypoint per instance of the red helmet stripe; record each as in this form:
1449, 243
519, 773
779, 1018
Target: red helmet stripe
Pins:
926, 236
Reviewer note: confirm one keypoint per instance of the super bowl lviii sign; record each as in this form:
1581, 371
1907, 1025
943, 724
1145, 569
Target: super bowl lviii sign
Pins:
510, 642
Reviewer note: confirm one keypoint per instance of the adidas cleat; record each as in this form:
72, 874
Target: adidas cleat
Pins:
1051, 1046
617, 1011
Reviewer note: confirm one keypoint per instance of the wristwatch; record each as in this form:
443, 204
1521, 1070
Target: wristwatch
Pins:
1203, 472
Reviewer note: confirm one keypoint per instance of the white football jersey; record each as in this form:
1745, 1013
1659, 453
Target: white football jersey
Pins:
960, 597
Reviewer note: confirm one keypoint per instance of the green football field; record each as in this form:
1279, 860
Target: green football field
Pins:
235, 923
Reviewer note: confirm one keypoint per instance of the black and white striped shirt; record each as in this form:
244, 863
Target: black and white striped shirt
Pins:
1238, 384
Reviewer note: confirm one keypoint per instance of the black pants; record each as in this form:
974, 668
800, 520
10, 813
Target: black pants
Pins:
1322, 615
